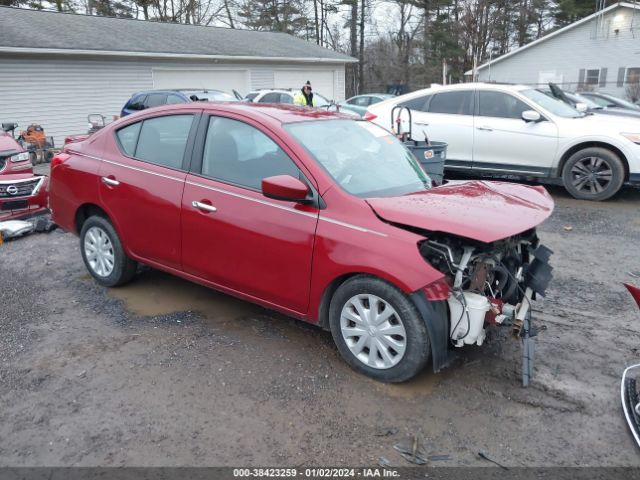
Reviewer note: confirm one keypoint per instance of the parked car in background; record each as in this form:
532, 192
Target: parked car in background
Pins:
584, 104
14, 158
155, 98
21, 192
310, 213
359, 103
609, 101
515, 130
282, 95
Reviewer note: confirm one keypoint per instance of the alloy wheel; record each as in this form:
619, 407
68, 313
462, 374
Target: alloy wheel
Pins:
99, 252
373, 331
591, 175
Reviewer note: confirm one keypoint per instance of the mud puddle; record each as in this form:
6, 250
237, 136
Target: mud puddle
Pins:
156, 293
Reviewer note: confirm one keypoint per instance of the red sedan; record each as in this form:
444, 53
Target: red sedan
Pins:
327, 219
21, 192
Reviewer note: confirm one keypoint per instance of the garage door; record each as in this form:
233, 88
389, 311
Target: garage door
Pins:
226, 80
322, 81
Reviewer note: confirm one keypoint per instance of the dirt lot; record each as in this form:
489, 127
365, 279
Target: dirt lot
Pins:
164, 372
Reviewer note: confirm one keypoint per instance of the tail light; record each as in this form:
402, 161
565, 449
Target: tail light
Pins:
370, 116
438, 290
59, 159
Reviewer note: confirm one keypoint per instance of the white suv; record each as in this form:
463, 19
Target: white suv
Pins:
519, 131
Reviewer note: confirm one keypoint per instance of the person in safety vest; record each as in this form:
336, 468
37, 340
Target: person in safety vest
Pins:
304, 97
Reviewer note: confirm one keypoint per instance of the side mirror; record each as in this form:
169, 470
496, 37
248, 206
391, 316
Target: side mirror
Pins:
284, 187
581, 107
531, 116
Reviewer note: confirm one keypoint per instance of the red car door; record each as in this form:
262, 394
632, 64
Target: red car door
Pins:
234, 236
142, 179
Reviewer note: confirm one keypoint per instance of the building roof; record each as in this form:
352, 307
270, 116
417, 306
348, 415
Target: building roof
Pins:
555, 34
33, 31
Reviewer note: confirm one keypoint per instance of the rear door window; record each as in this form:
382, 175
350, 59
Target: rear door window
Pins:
163, 140
155, 100
453, 103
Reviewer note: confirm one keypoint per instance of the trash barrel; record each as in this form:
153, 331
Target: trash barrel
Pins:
431, 157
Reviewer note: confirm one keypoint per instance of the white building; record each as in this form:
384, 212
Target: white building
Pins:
57, 68
601, 52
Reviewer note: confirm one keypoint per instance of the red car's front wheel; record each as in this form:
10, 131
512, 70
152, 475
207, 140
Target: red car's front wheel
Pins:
378, 330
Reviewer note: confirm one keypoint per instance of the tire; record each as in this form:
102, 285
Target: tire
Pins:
593, 174
410, 331
107, 262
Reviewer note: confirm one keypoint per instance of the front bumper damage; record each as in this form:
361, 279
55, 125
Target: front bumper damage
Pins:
533, 281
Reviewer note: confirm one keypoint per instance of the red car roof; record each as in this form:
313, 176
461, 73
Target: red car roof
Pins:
283, 113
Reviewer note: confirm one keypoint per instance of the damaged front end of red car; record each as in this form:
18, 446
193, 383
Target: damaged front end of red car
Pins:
482, 237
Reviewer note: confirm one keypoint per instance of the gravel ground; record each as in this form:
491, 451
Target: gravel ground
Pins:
163, 372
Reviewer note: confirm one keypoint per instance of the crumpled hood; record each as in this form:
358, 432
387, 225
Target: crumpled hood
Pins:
484, 211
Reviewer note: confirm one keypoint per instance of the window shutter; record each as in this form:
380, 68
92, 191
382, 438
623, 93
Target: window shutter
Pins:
621, 72
581, 78
603, 77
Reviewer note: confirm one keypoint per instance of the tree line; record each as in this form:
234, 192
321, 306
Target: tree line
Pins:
404, 42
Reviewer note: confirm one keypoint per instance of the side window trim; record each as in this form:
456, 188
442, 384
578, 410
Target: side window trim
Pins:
187, 156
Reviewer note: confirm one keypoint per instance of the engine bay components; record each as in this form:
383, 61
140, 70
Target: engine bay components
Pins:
491, 284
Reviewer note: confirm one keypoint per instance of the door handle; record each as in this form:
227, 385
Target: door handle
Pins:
486, 129
204, 207
423, 124
112, 182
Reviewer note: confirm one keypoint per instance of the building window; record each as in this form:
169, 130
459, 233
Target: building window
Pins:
592, 77
633, 75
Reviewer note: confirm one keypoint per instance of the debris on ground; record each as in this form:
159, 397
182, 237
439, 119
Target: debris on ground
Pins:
413, 453
11, 229
568, 228
484, 456
386, 432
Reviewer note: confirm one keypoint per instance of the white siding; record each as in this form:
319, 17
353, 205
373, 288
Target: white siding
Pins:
261, 78
592, 45
59, 92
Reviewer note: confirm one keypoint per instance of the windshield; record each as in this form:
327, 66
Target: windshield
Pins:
624, 103
551, 104
250, 96
364, 159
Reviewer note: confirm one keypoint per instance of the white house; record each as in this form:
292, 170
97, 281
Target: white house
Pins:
56, 68
601, 52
